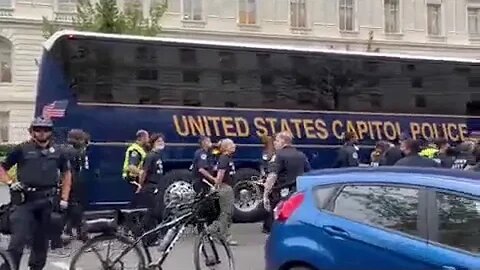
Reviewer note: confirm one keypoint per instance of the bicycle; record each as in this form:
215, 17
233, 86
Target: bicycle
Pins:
197, 213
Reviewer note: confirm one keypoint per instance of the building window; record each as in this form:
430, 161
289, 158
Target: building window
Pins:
192, 10
392, 16
133, 6
474, 21
346, 15
66, 5
298, 13
6, 3
434, 19
247, 12
4, 123
188, 56
5, 61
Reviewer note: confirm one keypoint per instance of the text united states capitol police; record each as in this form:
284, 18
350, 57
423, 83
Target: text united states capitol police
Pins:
372, 127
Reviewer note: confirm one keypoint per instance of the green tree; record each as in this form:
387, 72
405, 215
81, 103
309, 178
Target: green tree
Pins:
105, 17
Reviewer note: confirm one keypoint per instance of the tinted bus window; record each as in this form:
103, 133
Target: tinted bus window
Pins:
122, 72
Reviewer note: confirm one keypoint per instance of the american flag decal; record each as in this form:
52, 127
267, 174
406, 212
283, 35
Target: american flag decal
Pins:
55, 109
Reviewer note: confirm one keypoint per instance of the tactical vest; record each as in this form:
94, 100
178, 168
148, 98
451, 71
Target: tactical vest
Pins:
137, 148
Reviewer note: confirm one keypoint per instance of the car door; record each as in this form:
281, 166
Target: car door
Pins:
454, 236
374, 227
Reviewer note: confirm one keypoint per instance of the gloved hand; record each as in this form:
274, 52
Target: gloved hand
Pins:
63, 205
17, 186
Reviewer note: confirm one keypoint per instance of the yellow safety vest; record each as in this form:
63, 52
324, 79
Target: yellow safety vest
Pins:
429, 152
137, 148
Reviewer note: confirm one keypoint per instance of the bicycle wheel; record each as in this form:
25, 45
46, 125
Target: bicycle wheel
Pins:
6, 262
92, 248
210, 247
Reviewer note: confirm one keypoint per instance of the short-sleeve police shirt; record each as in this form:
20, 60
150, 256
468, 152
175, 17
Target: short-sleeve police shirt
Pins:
201, 160
288, 164
153, 167
226, 163
37, 166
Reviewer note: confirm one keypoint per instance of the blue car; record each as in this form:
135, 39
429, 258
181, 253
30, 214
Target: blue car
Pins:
386, 218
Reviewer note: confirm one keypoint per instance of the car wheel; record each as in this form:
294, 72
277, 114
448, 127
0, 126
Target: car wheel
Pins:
248, 205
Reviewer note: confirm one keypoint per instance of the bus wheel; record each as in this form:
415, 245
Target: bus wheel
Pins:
248, 197
179, 186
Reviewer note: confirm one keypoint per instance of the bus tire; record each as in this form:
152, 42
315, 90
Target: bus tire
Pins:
177, 181
248, 197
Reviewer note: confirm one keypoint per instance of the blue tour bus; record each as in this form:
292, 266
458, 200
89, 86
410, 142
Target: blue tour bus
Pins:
113, 85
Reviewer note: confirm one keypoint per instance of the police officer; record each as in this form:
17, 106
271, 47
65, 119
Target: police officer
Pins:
288, 164
476, 167
75, 151
430, 151
153, 184
39, 162
133, 163
393, 153
225, 170
347, 155
411, 148
202, 165
445, 156
465, 157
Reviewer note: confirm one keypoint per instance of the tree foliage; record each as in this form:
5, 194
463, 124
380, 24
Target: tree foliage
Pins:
105, 17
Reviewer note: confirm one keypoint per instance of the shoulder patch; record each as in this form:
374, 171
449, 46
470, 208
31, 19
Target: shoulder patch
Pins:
265, 157
203, 156
355, 155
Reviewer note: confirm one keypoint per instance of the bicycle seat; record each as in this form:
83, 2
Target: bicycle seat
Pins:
100, 225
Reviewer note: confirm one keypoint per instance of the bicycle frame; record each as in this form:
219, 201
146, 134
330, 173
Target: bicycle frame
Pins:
183, 220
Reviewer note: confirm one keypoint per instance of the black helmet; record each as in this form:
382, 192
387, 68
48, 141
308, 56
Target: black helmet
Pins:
41, 122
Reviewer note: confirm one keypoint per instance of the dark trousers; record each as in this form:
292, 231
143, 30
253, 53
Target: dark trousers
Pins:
73, 218
76, 205
151, 197
30, 221
275, 198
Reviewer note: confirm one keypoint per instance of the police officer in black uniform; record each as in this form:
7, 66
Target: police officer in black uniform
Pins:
445, 156
202, 165
411, 148
348, 154
38, 164
465, 157
75, 151
288, 164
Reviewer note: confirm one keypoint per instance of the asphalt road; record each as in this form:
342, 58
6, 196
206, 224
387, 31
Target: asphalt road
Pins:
248, 254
